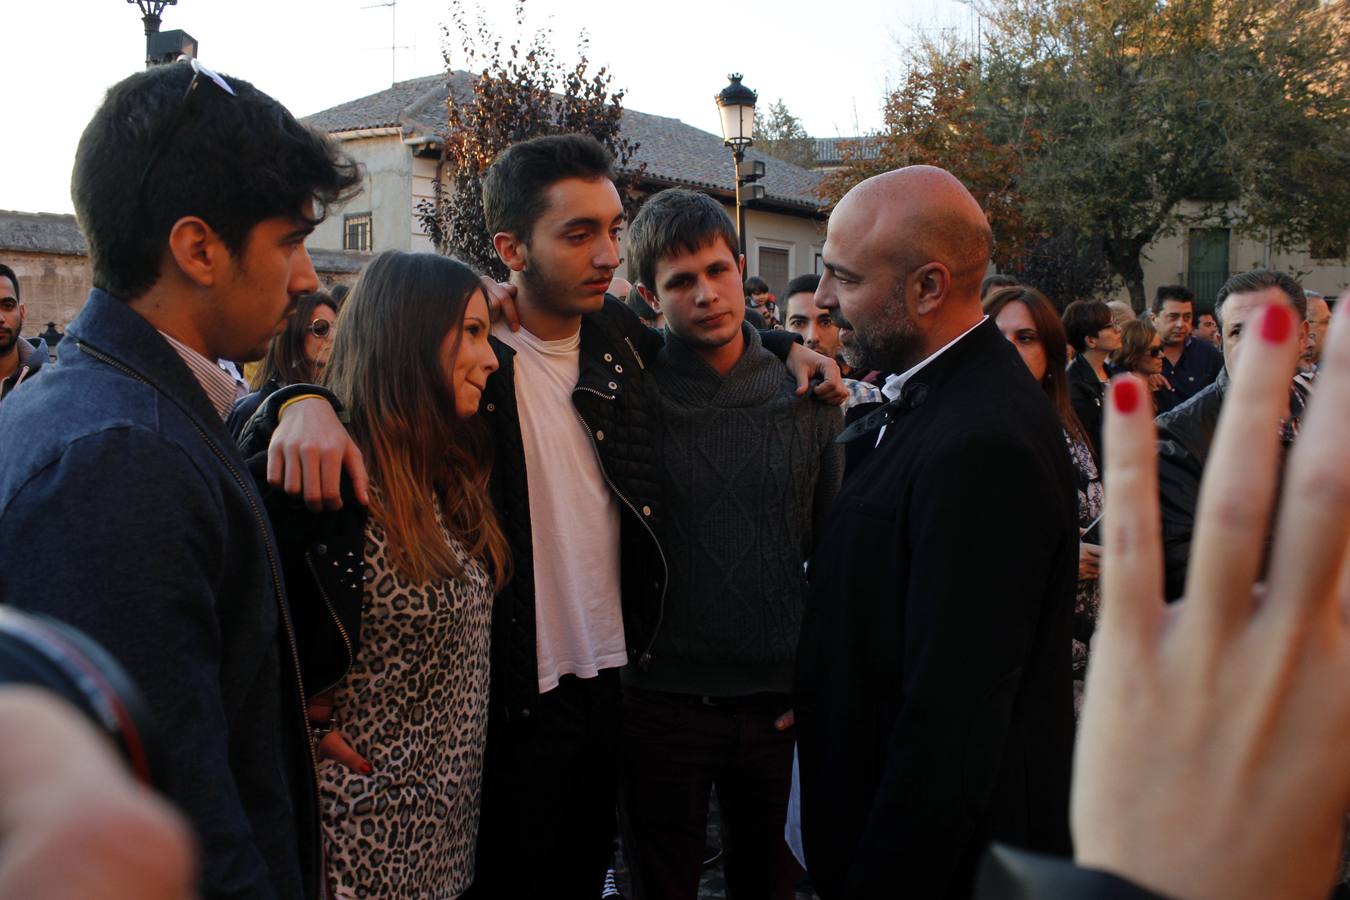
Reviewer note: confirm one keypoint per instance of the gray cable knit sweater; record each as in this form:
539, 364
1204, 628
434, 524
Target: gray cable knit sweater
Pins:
750, 470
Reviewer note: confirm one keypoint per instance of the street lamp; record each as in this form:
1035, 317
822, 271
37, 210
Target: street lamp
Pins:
150, 10
736, 103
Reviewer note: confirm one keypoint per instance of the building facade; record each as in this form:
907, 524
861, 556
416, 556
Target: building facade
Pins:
394, 135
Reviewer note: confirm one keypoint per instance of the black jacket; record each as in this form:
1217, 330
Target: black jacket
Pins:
1086, 393
1007, 874
247, 405
322, 553
1184, 436
615, 398
934, 700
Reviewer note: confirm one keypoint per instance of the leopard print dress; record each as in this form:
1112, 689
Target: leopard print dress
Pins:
415, 706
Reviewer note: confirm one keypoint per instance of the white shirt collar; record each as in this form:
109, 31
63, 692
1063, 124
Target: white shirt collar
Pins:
895, 383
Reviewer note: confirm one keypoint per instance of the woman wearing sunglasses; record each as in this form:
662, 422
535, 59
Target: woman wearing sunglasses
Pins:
1141, 352
296, 356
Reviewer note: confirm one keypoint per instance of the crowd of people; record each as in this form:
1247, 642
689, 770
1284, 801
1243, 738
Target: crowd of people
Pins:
475, 582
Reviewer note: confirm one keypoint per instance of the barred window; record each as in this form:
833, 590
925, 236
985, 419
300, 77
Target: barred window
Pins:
356, 232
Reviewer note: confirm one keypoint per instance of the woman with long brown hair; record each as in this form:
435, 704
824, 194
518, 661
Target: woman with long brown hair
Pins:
1029, 322
401, 717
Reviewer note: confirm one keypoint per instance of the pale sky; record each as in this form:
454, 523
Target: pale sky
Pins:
831, 63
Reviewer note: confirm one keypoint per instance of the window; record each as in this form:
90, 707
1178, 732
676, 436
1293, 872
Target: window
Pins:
1207, 267
773, 268
818, 267
356, 232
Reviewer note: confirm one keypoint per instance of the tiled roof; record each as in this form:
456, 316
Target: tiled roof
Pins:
25, 232
675, 153
41, 233
404, 103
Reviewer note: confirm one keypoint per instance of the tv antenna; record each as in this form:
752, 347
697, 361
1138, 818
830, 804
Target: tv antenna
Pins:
394, 46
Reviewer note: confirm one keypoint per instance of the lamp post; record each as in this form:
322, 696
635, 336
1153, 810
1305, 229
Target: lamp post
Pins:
736, 103
150, 10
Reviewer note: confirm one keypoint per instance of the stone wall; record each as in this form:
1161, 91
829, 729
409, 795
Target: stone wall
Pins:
53, 286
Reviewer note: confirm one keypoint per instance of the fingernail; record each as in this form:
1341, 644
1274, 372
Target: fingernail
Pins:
366, 769
1276, 323
1125, 394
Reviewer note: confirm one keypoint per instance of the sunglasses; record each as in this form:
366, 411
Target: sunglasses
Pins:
200, 73
1155, 352
320, 328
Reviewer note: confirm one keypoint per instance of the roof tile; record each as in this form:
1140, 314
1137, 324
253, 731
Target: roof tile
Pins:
675, 153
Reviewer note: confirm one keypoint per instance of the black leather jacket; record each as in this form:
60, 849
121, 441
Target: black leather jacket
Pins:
322, 556
1007, 874
1184, 437
615, 399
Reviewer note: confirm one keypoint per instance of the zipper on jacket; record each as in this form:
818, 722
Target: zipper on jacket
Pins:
645, 657
346, 639
633, 350
279, 589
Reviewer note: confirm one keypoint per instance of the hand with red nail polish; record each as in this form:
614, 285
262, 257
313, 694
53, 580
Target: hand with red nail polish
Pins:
1211, 755
335, 746
1276, 323
1125, 395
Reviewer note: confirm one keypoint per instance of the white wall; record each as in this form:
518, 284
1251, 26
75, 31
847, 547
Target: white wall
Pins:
386, 193
423, 188
1166, 262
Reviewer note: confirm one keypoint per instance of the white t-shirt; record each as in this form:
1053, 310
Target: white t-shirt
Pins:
574, 518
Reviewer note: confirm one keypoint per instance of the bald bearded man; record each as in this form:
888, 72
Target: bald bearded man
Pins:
934, 705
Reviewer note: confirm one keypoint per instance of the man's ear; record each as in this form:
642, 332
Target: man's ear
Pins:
197, 251
511, 250
932, 282
742, 265
651, 298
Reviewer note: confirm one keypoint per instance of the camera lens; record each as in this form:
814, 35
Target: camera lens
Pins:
42, 652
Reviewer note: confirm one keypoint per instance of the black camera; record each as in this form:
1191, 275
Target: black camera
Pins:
41, 652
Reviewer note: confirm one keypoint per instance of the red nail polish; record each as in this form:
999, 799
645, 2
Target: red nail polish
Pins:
366, 769
1125, 394
1276, 324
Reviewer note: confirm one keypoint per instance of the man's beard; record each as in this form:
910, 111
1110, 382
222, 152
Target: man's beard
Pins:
890, 344
7, 342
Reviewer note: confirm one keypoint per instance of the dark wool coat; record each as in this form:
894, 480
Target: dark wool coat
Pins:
934, 699
140, 513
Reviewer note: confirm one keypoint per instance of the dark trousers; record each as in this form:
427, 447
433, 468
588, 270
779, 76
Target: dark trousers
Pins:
550, 785
675, 749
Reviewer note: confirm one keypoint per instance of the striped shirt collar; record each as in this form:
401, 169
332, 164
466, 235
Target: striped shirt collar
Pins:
217, 383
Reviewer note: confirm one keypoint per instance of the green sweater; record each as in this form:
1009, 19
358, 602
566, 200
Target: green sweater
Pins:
750, 470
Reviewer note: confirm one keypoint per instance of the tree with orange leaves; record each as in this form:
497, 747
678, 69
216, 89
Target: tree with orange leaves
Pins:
935, 119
